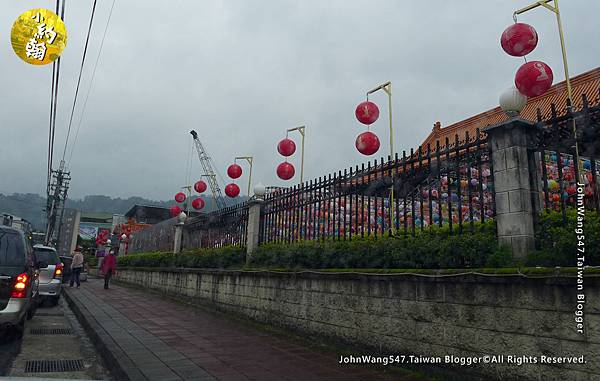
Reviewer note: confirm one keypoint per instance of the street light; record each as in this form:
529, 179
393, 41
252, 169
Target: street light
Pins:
260, 190
302, 131
387, 88
554, 9
250, 160
512, 101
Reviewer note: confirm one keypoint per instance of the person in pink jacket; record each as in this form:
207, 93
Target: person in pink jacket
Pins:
109, 267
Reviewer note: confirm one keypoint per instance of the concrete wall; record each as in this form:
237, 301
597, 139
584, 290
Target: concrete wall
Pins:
402, 314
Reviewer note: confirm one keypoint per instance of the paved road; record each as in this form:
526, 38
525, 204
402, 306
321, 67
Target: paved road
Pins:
153, 338
70, 344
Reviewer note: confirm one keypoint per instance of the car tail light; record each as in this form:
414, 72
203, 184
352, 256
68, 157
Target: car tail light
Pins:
58, 270
20, 288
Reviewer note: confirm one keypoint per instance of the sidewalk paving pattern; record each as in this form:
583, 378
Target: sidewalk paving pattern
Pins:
153, 338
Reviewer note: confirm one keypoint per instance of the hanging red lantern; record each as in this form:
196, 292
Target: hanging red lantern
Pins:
367, 112
286, 147
234, 171
367, 143
519, 39
533, 78
180, 197
175, 210
198, 203
285, 170
200, 186
232, 190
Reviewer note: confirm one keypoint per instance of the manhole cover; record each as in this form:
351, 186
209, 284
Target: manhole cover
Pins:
49, 366
50, 331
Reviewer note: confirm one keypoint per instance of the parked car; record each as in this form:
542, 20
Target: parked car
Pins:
18, 280
66, 260
50, 279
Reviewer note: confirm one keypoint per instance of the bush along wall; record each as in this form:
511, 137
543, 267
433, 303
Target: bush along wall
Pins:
222, 258
432, 248
557, 241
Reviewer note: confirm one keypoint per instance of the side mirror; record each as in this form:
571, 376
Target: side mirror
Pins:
42, 265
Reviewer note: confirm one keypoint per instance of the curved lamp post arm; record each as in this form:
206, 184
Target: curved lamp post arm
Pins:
302, 131
250, 161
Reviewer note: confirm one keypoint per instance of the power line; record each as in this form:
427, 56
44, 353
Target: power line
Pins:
91, 84
87, 40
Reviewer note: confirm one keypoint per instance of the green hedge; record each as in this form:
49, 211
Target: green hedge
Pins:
557, 242
225, 257
432, 248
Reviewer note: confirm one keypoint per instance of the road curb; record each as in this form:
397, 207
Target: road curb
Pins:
115, 359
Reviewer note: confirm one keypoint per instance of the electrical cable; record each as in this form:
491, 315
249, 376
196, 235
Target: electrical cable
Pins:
91, 84
87, 40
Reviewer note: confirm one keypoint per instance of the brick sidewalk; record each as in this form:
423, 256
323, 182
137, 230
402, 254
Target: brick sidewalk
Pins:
153, 338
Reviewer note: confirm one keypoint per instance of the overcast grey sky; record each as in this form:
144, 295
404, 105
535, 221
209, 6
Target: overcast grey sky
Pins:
241, 72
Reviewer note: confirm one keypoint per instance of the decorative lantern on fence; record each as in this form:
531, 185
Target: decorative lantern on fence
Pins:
286, 147
533, 78
519, 39
180, 197
285, 170
234, 171
232, 190
367, 143
198, 203
174, 210
200, 186
367, 112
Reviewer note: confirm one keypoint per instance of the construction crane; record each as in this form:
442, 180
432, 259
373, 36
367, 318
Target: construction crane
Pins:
205, 161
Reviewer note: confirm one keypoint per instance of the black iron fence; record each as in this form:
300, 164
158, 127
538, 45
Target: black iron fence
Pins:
554, 151
224, 227
449, 185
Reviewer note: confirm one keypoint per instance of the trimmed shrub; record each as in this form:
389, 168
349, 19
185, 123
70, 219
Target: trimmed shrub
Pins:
557, 241
224, 257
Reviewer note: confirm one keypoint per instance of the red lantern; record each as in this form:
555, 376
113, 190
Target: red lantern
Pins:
533, 78
198, 203
367, 112
367, 143
232, 190
234, 171
519, 39
175, 210
200, 186
285, 171
286, 147
180, 197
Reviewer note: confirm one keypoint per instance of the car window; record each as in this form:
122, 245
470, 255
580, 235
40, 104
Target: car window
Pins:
12, 249
46, 255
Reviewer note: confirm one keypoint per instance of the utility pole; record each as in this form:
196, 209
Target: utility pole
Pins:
56, 197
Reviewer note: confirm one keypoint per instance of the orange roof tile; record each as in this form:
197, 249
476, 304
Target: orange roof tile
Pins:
587, 83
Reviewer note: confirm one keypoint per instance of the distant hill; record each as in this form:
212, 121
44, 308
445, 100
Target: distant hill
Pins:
31, 206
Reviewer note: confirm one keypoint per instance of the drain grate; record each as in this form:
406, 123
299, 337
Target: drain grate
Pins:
43, 313
49, 366
50, 331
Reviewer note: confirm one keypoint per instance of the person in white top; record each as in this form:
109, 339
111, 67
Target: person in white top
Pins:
76, 267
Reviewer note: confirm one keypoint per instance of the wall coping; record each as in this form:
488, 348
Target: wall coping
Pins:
466, 277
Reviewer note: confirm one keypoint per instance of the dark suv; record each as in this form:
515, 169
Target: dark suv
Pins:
18, 279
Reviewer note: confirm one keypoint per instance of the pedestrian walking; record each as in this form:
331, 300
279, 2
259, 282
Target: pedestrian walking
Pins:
76, 267
109, 267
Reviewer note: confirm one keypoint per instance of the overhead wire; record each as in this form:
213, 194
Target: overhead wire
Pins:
87, 40
91, 84
53, 105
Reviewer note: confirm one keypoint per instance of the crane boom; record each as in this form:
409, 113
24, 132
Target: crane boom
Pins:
209, 172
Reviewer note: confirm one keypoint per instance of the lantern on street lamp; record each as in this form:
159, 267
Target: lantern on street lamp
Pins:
512, 101
260, 190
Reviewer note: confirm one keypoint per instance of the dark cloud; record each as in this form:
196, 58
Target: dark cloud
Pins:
241, 72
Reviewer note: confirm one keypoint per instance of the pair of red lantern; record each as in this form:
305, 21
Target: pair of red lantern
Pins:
535, 77
367, 113
234, 171
285, 170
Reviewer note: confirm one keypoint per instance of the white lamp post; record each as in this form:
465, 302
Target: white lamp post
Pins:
512, 102
260, 190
